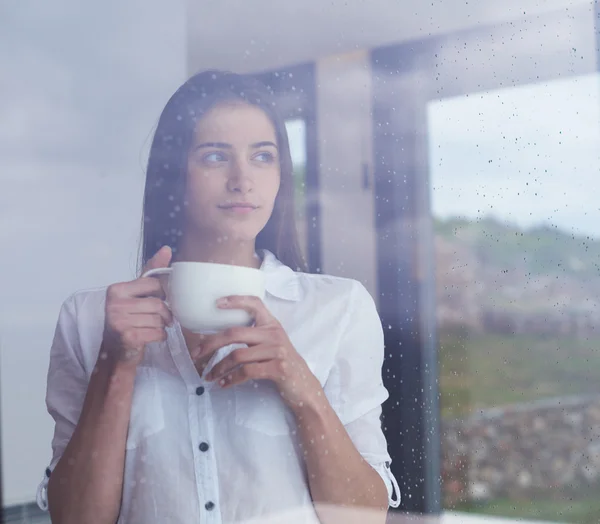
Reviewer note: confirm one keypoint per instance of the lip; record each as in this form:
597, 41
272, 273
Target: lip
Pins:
238, 207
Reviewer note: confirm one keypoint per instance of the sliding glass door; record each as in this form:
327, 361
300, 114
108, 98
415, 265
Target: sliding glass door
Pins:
489, 145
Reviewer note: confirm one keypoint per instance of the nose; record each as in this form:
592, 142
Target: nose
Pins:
239, 179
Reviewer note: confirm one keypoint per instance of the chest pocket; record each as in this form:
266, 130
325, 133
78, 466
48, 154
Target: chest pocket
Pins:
259, 407
147, 415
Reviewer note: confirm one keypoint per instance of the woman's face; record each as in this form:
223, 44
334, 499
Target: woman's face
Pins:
233, 173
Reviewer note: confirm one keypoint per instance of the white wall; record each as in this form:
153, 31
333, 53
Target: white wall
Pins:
81, 89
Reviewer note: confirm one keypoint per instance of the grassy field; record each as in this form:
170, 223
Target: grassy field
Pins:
479, 370
580, 508
482, 371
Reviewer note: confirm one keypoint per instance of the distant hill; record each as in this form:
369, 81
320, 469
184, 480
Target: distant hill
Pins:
543, 250
495, 277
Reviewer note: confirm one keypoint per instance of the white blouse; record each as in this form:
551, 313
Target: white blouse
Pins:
199, 453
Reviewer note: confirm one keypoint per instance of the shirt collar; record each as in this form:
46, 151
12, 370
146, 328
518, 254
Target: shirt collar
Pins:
281, 281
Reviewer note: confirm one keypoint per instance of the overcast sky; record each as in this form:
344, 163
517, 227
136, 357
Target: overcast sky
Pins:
528, 155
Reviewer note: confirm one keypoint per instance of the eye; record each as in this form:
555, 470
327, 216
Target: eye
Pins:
214, 157
265, 157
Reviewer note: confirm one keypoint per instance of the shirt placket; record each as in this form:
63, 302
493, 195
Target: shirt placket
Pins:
200, 414
201, 423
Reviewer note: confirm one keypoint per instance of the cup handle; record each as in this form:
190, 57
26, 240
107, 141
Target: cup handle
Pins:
158, 271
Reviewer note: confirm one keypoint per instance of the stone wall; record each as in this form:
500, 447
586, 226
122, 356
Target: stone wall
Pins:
521, 450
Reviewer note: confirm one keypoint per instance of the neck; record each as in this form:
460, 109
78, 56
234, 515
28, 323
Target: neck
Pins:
233, 252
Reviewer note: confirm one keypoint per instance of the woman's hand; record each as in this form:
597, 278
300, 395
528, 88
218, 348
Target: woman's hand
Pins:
270, 354
136, 314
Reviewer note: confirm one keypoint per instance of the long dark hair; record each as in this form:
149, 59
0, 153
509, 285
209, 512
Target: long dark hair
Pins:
164, 194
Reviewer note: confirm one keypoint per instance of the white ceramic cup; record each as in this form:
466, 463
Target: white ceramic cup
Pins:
194, 288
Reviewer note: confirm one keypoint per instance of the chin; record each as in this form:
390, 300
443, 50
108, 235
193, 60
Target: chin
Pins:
242, 235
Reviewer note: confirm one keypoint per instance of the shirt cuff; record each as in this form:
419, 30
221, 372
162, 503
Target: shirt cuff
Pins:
390, 481
42, 491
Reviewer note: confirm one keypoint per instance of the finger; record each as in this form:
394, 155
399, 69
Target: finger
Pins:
250, 371
242, 356
253, 305
237, 335
154, 334
141, 287
145, 320
122, 312
137, 338
150, 305
162, 258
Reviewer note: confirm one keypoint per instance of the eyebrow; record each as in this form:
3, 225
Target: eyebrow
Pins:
258, 145
223, 145
218, 145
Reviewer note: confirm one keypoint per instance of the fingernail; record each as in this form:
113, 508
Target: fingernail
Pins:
222, 301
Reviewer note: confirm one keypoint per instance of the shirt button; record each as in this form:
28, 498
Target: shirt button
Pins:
48, 472
199, 390
209, 506
204, 446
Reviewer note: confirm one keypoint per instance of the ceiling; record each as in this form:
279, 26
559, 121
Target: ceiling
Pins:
255, 35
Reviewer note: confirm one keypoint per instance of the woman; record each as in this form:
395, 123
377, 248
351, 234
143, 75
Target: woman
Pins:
156, 424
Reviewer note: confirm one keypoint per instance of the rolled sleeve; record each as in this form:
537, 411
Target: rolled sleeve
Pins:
66, 389
355, 386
